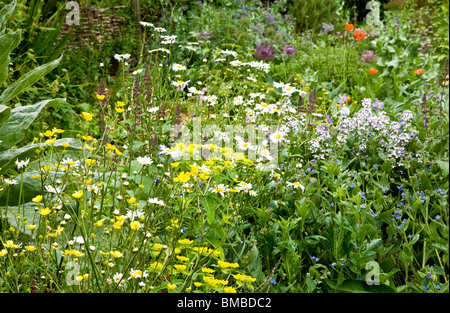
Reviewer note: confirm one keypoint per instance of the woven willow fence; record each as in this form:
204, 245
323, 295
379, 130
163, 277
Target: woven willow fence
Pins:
97, 25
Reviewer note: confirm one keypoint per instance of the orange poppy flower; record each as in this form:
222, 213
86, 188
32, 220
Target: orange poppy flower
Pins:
349, 27
373, 71
419, 71
359, 35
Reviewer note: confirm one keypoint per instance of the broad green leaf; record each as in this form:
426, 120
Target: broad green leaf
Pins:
5, 113
7, 43
8, 158
21, 118
27, 80
440, 247
357, 286
442, 164
5, 14
425, 182
252, 255
209, 205
30, 188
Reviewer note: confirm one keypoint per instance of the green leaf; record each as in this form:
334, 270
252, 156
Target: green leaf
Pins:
357, 286
386, 167
252, 255
425, 182
7, 158
27, 80
7, 43
440, 247
5, 113
5, 14
21, 118
442, 164
209, 205
30, 188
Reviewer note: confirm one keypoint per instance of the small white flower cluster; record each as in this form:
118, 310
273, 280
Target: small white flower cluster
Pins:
367, 125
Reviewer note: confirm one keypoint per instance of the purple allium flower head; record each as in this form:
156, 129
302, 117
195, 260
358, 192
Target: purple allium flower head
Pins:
265, 51
289, 50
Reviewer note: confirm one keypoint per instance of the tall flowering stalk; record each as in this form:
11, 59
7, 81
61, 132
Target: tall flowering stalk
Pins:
177, 119
103, 107
147, 87
311, 106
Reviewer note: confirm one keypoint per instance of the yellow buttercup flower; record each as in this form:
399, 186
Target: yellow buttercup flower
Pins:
226, 265
207, 270
120, 103
110, 147
156, 266
30, 248
182, 258
175, 164
78, 254
182, 177
87, 116
229, 290
58, 131
88, 138
65, 144
89, 147
116, 254
49, 133
31, 227
119, 110
45, 211
135, 225
3, 252
90, 161
99, 223
77, 194
50, 142
101, 97
131, 200
180, 267
10, 244
37, 199
185, 241
171, 286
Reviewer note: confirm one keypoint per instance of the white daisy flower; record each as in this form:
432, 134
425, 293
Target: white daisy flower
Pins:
21, 164
180, 83
178, 67
296, 185
228, 52
220, 189
144, 160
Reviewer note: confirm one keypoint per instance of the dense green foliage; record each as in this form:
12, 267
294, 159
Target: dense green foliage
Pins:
97, 194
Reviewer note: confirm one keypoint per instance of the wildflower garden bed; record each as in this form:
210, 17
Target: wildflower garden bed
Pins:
231, 149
